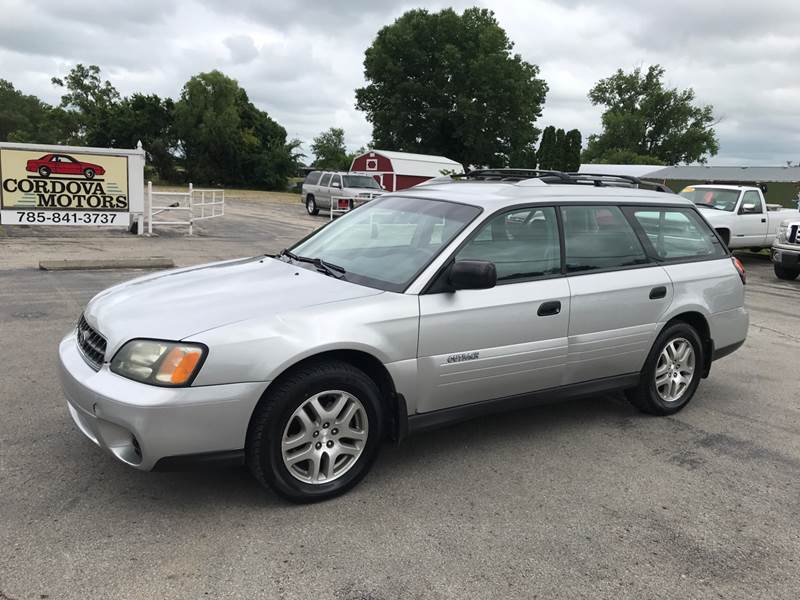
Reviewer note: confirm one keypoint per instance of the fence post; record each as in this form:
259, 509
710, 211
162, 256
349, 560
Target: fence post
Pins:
149, 208
191, 208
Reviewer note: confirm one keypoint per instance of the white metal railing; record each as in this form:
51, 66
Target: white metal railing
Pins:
187, 207
344, 204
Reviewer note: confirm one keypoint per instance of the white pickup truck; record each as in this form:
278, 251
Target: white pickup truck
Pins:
739, 213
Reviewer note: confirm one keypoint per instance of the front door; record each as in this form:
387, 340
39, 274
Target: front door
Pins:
478, 345
752, 223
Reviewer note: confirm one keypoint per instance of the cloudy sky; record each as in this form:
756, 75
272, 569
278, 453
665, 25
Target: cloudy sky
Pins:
301, 60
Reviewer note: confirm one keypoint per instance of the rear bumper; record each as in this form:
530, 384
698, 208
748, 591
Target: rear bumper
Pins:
141, 424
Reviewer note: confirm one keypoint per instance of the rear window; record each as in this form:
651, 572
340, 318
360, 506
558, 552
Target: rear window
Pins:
326, 179
599, 237
312, 178
678, 233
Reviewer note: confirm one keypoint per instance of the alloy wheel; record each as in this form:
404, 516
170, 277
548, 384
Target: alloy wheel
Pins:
675, 369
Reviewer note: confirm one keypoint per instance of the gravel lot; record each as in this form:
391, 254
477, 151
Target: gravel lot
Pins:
585, 499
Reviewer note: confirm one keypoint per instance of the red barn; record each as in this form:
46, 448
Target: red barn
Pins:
401, 170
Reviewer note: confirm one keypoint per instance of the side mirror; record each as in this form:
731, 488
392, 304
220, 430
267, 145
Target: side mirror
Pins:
472, 275
336, 185
748, 208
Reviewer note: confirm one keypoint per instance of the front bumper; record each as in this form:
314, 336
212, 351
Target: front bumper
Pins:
786, 255
140, 424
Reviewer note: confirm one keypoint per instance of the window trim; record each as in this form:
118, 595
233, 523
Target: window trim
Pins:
629, 211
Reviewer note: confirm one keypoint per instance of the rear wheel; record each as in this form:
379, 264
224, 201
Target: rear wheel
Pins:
88, 173
782, 272
44, 171
317, 432
311, 205
672, 371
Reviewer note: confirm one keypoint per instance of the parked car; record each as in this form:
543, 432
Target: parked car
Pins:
349, 189
63, 164
423, 307
739, 214
786, 250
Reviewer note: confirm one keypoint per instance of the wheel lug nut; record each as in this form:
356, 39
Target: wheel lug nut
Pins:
330, 444
318, 445
325, 425
315, 434
334, 431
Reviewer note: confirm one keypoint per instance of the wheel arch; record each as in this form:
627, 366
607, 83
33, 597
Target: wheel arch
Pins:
700, 323
394, 403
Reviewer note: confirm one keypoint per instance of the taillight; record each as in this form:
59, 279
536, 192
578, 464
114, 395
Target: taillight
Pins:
740, 269
344, 204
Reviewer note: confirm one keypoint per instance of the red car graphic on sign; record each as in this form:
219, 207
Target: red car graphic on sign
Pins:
62, 164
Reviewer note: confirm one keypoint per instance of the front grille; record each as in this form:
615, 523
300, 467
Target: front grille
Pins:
793, 234
91, 344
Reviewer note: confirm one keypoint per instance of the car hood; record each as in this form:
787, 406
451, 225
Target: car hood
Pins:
177, 304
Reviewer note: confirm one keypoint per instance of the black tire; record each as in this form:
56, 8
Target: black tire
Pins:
782, 272
311, 205
44, 171
88, 173
645, 396
265, 433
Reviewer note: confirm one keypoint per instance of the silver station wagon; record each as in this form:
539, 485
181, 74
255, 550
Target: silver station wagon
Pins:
438, 303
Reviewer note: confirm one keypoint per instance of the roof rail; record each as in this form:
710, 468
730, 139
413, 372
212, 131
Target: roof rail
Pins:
600, 179
513, 175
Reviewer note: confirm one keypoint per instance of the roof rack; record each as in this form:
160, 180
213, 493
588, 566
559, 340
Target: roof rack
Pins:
560, 177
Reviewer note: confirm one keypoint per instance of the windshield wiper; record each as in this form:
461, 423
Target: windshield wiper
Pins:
321, 265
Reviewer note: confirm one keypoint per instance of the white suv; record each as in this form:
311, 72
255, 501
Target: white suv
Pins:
346, 190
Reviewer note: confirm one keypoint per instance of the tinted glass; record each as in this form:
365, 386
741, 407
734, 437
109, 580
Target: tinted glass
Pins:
312, 178
752, 198
361, 181
599, 237
326, 179
522, 244
677, 234
387, 242
336, 179
719, 198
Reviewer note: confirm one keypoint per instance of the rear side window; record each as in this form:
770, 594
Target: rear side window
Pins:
326, 179
599, 237
312, 178
522, 244
678, 233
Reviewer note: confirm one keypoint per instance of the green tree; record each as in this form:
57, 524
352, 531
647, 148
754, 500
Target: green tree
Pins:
559, 150
330, 151
625, 157
91, 103
149, 119
646, 119
444, 83
25, 118
546, 155
225, 139
573, 142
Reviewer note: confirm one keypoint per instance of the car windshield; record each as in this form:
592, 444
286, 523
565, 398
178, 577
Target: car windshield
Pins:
719, 198
385, 244
361, 181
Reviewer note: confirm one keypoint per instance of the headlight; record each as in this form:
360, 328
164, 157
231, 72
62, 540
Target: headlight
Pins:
783, 229
168, 364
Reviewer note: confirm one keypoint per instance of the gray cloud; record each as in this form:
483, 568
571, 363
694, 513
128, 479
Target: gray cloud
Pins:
301, 60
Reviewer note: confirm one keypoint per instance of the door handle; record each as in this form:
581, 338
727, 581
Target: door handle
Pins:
658, 292
763, 220
548, 309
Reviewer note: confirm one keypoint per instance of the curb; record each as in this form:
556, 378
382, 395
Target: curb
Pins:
109, 263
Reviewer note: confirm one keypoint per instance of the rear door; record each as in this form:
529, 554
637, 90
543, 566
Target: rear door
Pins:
752, 222
617, 293
323, 191
478, 345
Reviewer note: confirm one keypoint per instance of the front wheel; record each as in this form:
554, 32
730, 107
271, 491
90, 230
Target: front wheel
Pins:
316, 432
672, 372
782, 272
44, 171
311, 205
88, 173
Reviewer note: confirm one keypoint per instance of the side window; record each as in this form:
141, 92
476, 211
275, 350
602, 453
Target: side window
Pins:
753, 198
313, 178
337, 179
522, 244
326, 180
599, 237
678, 233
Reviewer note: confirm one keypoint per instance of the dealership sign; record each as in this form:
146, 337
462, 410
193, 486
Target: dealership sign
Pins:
57, 185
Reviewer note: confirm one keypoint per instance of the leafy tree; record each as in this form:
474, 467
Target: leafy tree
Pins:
295, 152
149, 119
559, 150
25, 118
330, 150
225, 139
572, 151
645, 119
444, 83
625, 157
91, 102
546, 155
